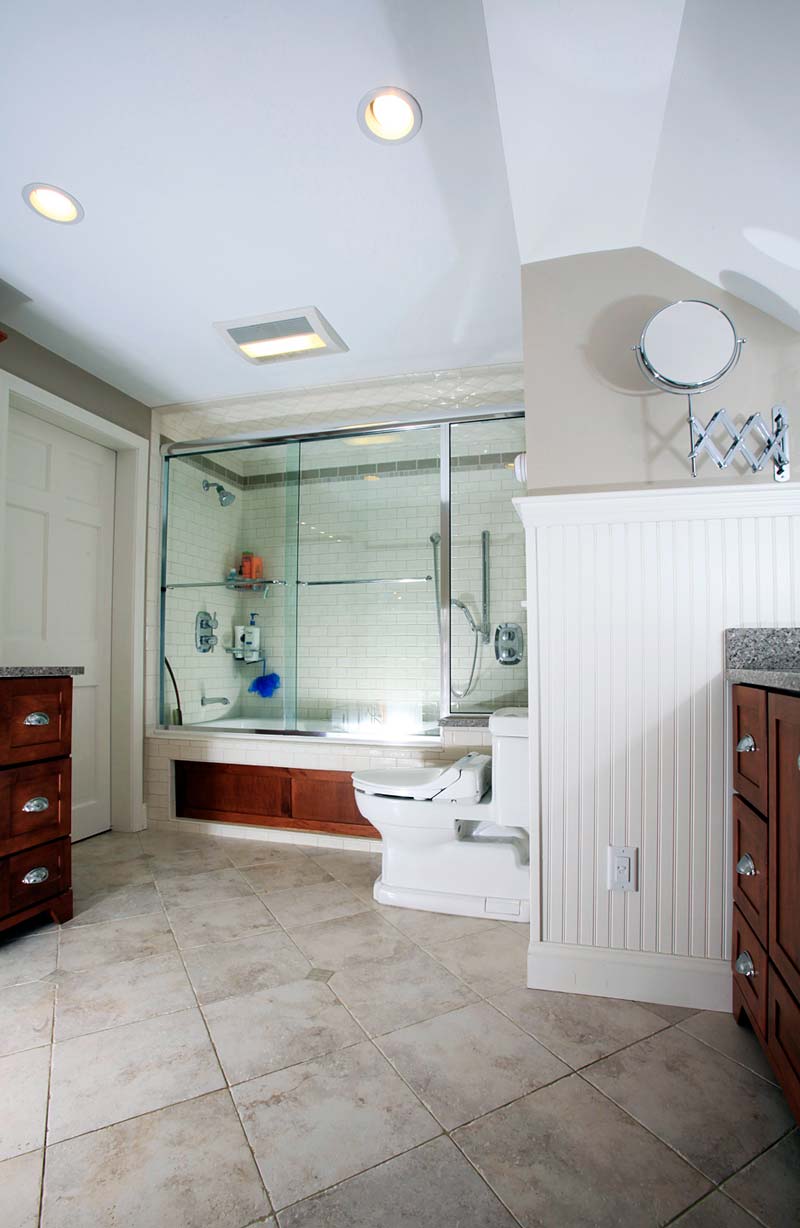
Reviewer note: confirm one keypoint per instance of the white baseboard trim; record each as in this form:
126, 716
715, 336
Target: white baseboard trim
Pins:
670, 980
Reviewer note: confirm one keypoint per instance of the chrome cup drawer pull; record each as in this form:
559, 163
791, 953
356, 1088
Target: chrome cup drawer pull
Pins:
746, 745
744, 965
746, 866
35, 804
39, 874
37, 718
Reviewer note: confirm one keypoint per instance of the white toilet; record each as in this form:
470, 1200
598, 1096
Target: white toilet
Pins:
455, 839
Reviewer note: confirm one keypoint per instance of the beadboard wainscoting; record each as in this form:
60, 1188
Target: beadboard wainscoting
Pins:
629, 594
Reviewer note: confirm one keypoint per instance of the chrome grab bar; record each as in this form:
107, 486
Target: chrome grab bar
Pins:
378, 580
36, 804
746, 745
37, 718
746, 866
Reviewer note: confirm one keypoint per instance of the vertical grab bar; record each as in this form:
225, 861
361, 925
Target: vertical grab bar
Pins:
485, 625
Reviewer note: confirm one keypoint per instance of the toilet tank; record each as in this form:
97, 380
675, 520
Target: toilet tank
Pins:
510, 772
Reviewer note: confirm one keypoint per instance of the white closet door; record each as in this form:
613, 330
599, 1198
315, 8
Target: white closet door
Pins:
57, 588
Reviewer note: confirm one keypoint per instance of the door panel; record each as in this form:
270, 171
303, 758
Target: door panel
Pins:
784, 837
57, 577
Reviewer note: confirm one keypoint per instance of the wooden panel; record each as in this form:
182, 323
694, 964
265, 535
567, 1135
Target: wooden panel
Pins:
750, 891
784, 837
749, 721
53, 858
753, 989
288, 798
21, 698
783, 1047
24, 786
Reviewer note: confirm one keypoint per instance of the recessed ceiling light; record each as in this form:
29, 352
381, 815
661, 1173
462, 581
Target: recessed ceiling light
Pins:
53, 203
301, 333
389, 114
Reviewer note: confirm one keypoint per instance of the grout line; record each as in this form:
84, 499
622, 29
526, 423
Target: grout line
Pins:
722, 1053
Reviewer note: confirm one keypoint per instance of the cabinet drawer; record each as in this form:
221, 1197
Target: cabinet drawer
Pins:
751, 867
35, 719
36, 874
35, 804
750, 745
783, 1046
784, 838
750, 970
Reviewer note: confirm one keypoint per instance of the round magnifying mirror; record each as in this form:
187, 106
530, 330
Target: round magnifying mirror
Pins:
688, 346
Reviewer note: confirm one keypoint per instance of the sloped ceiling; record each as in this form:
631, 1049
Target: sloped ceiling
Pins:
661, 124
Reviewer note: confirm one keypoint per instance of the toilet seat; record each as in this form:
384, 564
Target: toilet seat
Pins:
465, 781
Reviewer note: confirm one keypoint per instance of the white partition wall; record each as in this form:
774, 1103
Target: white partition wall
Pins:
629, 595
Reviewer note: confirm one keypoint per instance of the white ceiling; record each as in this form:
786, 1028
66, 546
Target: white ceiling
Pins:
216, 152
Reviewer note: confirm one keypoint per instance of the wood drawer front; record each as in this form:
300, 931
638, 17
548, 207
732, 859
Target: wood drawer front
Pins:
784, 838
35, 804
750, 839
750, 766
783, 1046
35, 719
52, 860
752, 988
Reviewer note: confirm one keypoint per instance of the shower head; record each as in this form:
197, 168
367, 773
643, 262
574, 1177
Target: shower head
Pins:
473, 626
226, 498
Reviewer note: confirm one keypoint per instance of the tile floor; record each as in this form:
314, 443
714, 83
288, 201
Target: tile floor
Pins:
232, 1033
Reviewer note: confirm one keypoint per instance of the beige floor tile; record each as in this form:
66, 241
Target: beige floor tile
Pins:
257, 1033
177, 863
722, 1032
207, 887
130, 901
385, 994
577, 1028
327, 1119
716, 1211
115, 994
244, 966
494, 960
711, 1110
318, 902
90, 878
432, 1186
27, 957
469, 1062
357, 871
671, 1014
200, 926
111, 942
431, 927
770, 1186
23, 1100
26, 1016
20, 1186
108, 847
565, 1157
187, 1166
281, 876
350, 940
106, 1077
262, 852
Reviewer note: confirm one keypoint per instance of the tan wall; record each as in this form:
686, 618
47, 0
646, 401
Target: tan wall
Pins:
22, 357
592, 418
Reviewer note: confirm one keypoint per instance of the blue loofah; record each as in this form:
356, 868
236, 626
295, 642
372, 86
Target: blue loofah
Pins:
265, 686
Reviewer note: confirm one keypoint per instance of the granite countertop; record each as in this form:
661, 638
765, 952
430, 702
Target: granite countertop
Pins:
464, 722
763, 656
40, 671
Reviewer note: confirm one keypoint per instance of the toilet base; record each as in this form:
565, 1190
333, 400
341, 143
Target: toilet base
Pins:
454, 903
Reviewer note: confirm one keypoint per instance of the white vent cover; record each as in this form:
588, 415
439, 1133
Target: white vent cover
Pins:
300, 333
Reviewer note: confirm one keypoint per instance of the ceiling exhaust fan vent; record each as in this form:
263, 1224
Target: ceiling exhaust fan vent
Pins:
302, 332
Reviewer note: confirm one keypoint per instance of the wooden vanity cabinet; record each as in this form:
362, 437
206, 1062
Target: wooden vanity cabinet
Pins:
766, 876
35, 799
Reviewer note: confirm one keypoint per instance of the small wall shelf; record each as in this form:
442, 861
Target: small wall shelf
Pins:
238, 585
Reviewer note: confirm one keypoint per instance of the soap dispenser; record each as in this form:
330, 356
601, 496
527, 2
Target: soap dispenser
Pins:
252, 638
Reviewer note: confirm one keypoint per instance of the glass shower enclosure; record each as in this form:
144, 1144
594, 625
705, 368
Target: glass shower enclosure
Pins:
351, 584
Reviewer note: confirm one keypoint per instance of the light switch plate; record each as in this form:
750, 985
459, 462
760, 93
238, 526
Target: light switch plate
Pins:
623, 867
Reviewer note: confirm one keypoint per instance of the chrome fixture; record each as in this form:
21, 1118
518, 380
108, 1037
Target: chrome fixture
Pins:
688, 347
225, 496
746, 745
744, 965
39, 874
205, 625
508, 643
213, 699
37, 718
746, 866
481, 634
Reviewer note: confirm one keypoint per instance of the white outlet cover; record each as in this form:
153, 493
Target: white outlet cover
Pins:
627, 856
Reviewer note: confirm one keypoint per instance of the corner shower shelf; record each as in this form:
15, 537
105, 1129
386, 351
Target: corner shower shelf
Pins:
240, 585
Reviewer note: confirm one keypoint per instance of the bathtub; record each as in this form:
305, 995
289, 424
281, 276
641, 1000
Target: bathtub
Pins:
368, 732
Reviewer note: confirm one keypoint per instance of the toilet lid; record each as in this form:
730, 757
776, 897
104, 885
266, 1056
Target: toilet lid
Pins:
418, 783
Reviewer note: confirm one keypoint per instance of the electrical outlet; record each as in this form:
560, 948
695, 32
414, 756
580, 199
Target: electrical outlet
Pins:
623, 867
